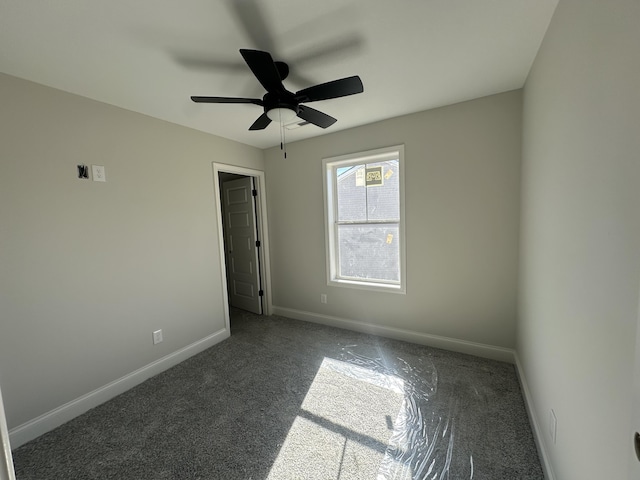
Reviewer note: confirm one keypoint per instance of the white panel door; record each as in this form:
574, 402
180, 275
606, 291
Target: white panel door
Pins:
242, 251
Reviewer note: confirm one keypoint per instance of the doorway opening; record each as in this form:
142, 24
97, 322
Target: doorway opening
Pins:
242, 229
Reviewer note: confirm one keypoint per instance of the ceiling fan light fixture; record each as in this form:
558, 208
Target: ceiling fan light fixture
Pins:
281, 115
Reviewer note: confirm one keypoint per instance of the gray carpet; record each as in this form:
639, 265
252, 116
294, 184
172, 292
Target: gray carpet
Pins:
284, 399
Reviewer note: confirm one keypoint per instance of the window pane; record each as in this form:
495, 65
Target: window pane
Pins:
383, 199
352, 194
369, 252
369, 192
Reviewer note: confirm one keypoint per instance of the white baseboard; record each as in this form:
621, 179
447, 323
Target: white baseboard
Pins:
56, 417
538, 432
436, 341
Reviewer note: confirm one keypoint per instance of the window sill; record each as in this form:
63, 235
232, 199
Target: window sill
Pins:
371, 286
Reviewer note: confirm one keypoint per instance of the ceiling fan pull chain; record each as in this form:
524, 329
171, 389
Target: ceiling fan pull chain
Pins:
283, 144
284, 140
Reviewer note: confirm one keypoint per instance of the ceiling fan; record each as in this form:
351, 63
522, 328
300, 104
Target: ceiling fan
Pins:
281, 105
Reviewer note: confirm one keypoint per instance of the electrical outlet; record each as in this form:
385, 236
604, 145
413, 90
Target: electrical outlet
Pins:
553, 425
157, 337
323, 298
99, 174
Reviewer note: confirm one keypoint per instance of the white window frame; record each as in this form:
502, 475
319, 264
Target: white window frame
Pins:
329, 167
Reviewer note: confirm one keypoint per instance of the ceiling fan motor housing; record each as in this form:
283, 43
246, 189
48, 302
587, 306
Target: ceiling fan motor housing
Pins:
282, 99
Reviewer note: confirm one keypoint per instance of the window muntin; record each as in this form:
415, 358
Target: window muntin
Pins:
365, 234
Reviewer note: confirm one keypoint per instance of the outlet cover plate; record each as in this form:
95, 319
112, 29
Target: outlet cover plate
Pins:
98, 173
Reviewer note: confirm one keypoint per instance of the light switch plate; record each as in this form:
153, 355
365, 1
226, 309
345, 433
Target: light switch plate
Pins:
98, 173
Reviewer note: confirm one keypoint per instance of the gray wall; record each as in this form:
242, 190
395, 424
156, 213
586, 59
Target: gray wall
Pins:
88, 269
462, 204
580, 262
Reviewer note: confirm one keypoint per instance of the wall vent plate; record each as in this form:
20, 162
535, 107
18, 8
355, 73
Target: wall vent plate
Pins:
297, 124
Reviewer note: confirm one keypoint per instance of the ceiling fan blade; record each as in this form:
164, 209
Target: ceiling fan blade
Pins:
334, 89
261, 123
207, 63
316, 117
255, 101
264, 68
333, 48
251, 19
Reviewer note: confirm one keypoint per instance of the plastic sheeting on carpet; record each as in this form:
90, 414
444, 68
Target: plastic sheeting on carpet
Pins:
422, 443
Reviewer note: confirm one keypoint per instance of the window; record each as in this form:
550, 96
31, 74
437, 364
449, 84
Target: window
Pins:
364, 210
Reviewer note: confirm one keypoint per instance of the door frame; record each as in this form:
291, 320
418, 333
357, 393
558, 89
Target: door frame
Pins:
263, 232
6, 460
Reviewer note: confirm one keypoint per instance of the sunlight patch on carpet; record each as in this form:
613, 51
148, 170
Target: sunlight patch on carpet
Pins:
344, 425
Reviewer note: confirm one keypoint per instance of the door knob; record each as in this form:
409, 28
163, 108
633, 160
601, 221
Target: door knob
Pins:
636, 444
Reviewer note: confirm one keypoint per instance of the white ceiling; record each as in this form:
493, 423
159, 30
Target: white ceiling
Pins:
150, 56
